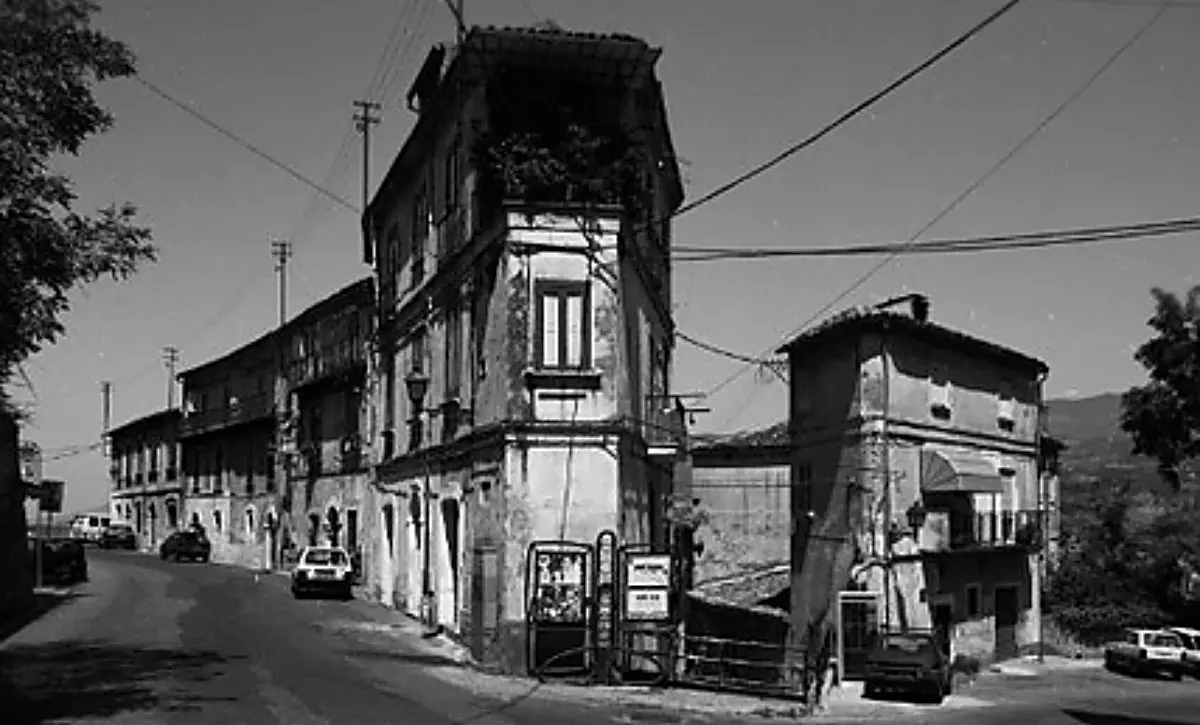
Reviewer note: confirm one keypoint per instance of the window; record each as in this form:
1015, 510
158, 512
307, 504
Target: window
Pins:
417, 360
974, 601
454, 350
564, 325
450, 178
420, 228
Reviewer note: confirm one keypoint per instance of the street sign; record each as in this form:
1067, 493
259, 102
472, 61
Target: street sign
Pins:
51, 498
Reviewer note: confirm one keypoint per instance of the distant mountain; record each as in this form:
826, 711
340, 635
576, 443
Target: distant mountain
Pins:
1091, 428
1099, 454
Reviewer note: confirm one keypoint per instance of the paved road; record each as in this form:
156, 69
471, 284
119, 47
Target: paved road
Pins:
151, 642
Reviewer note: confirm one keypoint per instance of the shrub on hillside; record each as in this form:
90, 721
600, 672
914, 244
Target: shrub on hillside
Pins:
1095, 624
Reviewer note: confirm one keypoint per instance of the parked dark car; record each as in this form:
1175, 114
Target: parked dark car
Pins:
63, 560
190, 545
118, 536
908, 662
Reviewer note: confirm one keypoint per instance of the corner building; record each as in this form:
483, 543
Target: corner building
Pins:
525, 330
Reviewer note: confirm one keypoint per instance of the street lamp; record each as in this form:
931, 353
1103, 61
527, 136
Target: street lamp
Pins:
417, 384
916, 516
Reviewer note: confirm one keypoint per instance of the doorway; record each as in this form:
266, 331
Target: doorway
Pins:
943, 625
1007, 606
857, 630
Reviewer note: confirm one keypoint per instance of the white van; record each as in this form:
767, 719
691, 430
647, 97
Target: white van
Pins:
89, 527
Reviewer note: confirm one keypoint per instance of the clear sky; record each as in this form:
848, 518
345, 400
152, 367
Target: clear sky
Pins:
743, 79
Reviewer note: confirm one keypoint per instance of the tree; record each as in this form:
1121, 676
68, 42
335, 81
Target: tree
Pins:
50, 58
1163, 416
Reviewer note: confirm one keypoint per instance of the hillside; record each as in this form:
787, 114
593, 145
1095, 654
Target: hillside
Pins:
1099, 455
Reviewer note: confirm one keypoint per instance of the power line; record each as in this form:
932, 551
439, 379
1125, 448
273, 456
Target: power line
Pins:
968, 245
290, 171
987, 174
848, 115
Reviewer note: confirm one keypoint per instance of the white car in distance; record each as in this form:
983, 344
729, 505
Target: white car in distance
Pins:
1146, 652
323, 570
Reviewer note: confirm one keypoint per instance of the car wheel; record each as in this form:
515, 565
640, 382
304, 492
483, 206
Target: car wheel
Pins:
348, 592
870, 691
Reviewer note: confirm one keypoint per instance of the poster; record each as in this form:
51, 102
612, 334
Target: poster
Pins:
559, 586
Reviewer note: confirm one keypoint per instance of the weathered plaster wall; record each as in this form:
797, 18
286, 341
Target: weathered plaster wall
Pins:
556, 488
749, 516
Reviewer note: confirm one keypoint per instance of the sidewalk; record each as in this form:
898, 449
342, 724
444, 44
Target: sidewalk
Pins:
1030, 667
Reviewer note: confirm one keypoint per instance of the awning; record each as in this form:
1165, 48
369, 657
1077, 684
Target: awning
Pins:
958, 472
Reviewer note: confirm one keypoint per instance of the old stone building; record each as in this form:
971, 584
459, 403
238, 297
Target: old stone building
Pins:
146, 481
228, 436
915, 467
525, 321
325, 465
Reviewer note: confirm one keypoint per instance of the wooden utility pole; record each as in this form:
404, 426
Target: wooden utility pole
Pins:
170, 360
460, 22
363, 121
106, 413
282, 251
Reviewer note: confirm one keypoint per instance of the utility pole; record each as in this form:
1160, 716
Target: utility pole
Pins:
456, 9
170, 356
363, 120
106, 413
282, 251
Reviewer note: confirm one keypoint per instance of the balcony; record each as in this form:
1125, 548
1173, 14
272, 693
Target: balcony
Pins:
238, 412
342, 358
329, 457
949, 531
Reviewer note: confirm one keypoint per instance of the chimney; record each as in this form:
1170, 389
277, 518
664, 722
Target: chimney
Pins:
920, 308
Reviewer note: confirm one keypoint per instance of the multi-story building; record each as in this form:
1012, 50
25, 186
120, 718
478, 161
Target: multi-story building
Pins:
299, 390
521, 246
228, 435
916, 479
146, 483
327, 468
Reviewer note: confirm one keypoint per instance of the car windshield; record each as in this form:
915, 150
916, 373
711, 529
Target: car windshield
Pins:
333, 557
906, 643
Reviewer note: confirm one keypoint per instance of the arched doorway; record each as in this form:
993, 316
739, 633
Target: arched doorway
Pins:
448, 579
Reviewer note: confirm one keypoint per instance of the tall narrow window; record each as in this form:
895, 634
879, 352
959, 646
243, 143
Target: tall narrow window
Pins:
420, 229
564, 325
454, 350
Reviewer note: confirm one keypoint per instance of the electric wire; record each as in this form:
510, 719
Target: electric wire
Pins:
987, 174
847, 116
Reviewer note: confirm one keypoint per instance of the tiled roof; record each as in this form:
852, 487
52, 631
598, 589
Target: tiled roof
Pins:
865, 317
548, 30
775, 435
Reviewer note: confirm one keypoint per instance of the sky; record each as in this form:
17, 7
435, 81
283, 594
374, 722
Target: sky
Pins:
743, 80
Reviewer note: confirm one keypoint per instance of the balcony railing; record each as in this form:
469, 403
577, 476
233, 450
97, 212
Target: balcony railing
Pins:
243, 410
951, 531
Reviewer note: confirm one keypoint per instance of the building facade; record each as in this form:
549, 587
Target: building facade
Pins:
525, 331
743, 485
146, 480
918, 497
325, 466
228, 434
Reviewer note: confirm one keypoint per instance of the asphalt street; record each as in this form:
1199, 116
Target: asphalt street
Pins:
151, 642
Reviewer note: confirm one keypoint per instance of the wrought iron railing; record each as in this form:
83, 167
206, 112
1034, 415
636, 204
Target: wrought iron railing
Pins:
1020, 528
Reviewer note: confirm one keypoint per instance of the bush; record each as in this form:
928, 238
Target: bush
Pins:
1095, 624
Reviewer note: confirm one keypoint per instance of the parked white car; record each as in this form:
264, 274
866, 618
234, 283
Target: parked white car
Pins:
1147, 651
323, 570
1191, 649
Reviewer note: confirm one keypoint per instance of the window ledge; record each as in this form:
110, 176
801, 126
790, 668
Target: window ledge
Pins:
563, 379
